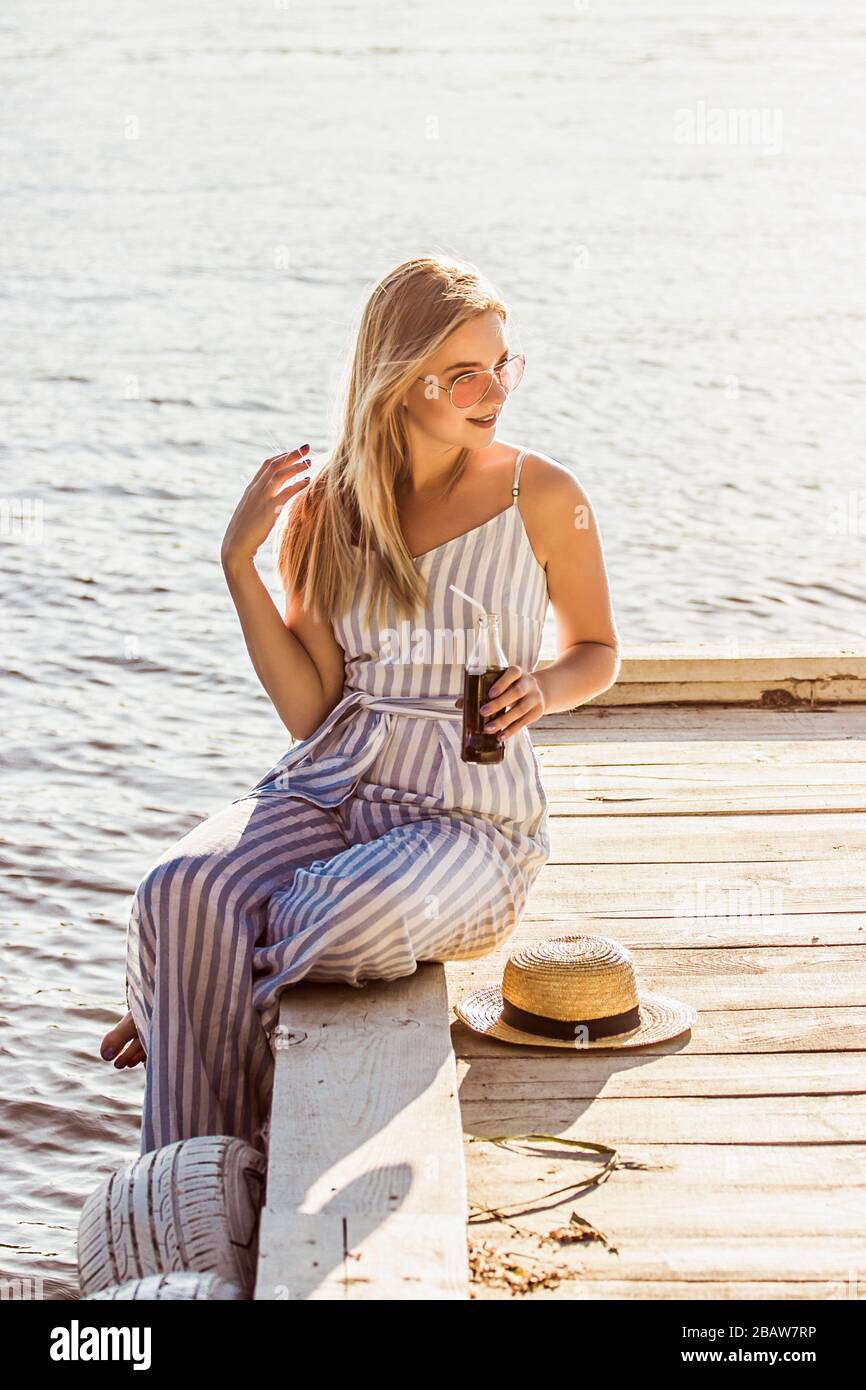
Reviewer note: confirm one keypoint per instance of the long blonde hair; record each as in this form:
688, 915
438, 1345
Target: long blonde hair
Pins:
352, 500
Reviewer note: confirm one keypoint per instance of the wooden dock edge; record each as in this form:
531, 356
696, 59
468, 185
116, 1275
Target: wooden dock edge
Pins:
772, 677
366, 1178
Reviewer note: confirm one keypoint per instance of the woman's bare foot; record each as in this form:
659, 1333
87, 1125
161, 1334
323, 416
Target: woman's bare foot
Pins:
121, 1043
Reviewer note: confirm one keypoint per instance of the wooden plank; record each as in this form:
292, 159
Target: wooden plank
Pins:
525, 1077
579, 786
835, 1264
732, 891
675, 933
729, 692
697, 1290
726, 1031
826, 1119
730, 673
565, 800
366, 1191
703, 839
687, 661
576, 752
685, 1207
692, 779
719, 722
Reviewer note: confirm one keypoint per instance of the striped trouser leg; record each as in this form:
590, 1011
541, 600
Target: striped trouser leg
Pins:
407, 889
196, 918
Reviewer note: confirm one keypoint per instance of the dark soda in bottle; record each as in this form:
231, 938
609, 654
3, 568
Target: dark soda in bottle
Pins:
485, 662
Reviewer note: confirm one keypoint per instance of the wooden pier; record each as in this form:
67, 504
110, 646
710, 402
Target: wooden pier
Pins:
709, 813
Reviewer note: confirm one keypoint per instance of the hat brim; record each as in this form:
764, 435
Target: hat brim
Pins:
661, 1018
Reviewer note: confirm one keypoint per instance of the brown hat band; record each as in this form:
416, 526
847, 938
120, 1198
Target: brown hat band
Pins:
566, 1027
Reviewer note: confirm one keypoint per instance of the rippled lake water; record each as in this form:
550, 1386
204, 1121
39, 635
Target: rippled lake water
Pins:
197, 200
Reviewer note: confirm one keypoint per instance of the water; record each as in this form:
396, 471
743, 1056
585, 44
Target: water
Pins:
196, 203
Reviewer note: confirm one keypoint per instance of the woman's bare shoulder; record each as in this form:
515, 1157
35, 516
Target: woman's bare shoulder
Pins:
545, 475
550, 493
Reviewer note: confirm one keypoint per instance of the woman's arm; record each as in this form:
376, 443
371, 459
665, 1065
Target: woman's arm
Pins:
587, 639
565, 541
298, 661
302, 670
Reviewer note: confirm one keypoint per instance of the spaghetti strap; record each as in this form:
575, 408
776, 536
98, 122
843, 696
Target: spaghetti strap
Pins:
515, 489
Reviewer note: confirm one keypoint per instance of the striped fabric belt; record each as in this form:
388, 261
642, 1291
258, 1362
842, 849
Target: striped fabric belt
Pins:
416, 706
308, 770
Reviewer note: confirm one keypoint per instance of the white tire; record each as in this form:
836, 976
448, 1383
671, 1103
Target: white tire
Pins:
193, 1205
183, 1283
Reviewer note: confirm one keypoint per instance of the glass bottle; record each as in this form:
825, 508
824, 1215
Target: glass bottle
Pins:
486, 660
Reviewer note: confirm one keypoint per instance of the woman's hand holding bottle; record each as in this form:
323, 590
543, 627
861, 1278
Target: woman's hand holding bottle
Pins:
515, 700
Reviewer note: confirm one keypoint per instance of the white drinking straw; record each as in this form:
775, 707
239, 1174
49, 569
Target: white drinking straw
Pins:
468, 597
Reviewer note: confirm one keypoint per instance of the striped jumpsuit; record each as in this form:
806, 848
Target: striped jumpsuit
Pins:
369, 846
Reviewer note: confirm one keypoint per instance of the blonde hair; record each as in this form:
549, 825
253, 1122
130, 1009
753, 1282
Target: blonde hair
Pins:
352, 500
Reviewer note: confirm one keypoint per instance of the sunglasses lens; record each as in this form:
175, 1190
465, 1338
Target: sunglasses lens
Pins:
512, 372
467, 390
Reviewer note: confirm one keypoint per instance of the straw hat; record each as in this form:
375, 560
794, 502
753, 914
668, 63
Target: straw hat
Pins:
574, 991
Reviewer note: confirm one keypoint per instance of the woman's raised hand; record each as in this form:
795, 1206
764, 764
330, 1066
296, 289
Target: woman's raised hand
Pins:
263, 500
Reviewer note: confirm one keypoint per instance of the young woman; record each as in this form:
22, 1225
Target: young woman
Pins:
371, 844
